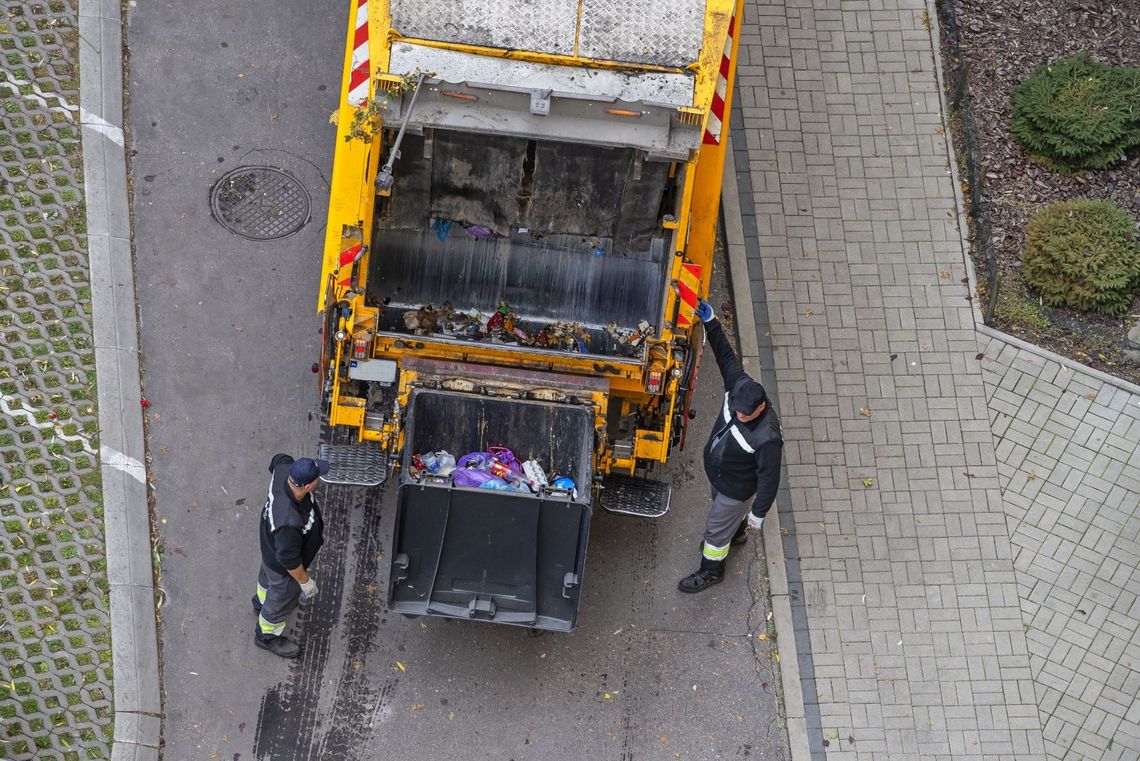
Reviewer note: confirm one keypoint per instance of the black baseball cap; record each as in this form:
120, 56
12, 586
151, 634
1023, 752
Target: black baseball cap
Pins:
306, 470
746, 396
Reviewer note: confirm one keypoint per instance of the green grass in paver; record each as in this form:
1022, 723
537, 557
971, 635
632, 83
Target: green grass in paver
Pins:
55, 675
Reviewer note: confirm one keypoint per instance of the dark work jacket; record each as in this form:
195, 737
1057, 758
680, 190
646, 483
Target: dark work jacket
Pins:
741, 459
291, 531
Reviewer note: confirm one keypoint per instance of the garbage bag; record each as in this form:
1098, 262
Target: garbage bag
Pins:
471, 477
479, 460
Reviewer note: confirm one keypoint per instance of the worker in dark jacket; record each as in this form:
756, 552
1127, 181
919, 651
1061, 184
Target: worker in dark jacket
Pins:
291, 533
742, 460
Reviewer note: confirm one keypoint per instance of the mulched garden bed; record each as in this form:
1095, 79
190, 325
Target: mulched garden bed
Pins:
1002, 42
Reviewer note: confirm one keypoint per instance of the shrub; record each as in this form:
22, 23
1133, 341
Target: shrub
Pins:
1078, 113
1083, 254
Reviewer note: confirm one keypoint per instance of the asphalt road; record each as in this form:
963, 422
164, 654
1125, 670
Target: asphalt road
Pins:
229, 332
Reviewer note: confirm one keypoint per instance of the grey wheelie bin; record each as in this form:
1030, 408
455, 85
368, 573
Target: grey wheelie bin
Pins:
487, 555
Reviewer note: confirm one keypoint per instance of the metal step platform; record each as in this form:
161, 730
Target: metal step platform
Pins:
642, 497
355, 464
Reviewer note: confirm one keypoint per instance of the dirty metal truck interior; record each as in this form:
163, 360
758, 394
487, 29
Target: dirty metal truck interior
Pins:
561, 232
470, 553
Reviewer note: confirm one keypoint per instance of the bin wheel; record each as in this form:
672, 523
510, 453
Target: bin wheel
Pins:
412, 616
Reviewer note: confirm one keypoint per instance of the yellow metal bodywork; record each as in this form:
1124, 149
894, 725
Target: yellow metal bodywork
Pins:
352, 204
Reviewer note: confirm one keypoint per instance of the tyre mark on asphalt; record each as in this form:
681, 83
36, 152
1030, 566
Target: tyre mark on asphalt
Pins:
288, 716
645, 568
357, 701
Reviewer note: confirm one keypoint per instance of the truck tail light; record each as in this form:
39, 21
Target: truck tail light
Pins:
655, 381
360, 347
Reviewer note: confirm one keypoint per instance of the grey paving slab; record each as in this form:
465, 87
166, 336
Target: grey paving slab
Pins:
903, 587
1075, 548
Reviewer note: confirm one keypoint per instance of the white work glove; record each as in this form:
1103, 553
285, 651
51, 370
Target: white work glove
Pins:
309, 589
754, 522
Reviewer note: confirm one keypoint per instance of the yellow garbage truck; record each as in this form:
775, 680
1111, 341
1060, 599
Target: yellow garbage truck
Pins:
524, 204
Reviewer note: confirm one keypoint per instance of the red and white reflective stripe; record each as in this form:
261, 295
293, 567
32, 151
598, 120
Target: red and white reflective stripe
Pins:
716, 115
347, 258
687, 293
358, 77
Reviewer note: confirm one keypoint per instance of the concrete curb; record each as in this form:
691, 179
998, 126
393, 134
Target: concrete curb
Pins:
963, 229
745, 320
122, 453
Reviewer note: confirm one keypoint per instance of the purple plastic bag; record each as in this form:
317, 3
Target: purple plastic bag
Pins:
470, 477
480, 460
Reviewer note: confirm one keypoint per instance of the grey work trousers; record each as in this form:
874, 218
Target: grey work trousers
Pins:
279, 594
721, 523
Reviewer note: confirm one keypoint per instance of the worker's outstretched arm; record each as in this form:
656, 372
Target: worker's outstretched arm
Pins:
730, 368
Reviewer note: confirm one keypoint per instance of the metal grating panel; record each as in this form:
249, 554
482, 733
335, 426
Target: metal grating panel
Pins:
660, 32
543, 26
635, 496
354, 464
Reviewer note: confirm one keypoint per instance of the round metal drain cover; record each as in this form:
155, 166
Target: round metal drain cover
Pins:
260, 203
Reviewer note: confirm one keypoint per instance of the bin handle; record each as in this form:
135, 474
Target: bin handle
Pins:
568, 581
480, 606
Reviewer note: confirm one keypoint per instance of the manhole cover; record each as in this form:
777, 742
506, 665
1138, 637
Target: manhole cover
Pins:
260, 203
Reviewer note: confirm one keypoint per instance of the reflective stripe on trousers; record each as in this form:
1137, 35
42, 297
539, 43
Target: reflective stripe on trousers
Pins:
715, 553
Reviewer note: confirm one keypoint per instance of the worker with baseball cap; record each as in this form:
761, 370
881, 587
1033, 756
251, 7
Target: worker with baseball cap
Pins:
291, 534
742, 460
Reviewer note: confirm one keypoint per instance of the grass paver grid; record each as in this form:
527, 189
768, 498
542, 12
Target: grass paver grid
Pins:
55, 648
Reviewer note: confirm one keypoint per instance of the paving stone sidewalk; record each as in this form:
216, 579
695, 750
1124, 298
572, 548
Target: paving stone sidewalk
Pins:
900, 568
55, 670
1068, 450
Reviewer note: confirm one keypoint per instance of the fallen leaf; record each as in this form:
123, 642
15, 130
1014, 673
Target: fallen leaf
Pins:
401, 666
1090, 397
417, 707
241, 727
808, 313
868, 482
894, 356
451, 715
762, 636
944, 274
980, 355
664, 739
967, 474
826, 744
864, 412
357, 666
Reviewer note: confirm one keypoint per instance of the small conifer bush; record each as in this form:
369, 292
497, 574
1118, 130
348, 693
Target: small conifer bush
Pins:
1083, 254
1078, 113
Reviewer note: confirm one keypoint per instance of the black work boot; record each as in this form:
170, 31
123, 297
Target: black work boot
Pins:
282, 646
711, 572
256, 605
